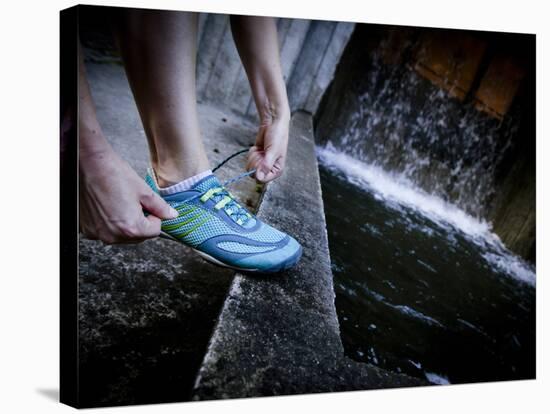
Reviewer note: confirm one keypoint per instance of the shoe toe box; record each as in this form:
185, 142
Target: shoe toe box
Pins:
276, 260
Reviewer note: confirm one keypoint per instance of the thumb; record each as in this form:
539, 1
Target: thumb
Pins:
155, 205
150, 227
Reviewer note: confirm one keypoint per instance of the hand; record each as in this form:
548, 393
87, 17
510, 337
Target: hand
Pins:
112, 197
268, 155
256, 40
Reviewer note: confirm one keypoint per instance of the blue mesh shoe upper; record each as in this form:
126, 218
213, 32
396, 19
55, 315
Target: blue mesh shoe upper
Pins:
211, 221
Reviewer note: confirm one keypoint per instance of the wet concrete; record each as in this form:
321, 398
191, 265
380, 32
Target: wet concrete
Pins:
280, 335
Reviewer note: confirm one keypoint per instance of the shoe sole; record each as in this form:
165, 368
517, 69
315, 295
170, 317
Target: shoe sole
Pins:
285, 266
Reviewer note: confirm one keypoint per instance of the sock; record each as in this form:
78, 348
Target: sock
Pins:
184, 185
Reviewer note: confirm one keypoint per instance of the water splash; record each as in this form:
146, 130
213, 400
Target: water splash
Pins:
437, 379
512, 266
413, 313
398, 189
399, 192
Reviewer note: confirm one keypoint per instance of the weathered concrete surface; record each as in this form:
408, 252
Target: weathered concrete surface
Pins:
306, 91
147, 311
279, 334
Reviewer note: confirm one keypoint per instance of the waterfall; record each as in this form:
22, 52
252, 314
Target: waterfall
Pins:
405, 125
386, 110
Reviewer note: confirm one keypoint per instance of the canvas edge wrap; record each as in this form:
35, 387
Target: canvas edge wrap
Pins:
68, 358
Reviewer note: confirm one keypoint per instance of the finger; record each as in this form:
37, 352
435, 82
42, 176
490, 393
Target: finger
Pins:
266, 165
270, 176
276, 171
155, 205
268, 161
253, 149
149, 227
253, 161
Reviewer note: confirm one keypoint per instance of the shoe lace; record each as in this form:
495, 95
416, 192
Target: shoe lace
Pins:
222, 197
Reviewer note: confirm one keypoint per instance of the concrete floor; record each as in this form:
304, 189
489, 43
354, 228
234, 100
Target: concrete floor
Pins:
147, 311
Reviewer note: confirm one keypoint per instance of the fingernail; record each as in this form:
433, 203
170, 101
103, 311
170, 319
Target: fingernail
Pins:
173, 212
260, 175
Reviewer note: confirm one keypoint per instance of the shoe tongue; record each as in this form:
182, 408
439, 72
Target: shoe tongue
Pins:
211, 182
207, 183
201, 187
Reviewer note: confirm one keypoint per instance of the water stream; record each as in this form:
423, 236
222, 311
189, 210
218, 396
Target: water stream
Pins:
403, 123
422, 287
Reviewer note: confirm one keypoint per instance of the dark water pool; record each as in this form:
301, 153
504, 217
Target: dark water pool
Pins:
417, 296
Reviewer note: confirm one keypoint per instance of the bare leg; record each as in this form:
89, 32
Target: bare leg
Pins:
159, 52
111, 195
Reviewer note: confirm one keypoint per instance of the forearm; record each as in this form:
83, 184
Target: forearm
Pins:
256, 40
91, 138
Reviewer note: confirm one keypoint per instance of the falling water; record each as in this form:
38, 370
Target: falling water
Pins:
449, 149
423, 285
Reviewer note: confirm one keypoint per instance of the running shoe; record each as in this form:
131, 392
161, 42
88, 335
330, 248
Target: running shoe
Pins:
223, 232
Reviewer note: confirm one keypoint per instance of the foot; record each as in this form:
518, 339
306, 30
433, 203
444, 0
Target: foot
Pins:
219, 229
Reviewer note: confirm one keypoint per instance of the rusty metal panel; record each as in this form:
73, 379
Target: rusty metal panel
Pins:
450, 60
499, 86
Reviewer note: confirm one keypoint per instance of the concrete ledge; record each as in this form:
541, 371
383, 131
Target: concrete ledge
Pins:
280, 335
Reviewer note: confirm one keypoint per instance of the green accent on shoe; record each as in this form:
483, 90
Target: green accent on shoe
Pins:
220, 204
193, 229
213, 223
172, 227
208, 195
184, 209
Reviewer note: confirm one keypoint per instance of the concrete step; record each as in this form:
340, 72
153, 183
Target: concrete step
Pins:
279, 334
147, 310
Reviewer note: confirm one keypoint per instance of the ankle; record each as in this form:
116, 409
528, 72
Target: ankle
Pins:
167, 177
172, 171
167, 180
184, 185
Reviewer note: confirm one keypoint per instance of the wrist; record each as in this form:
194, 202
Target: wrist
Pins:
93, 154
275, 108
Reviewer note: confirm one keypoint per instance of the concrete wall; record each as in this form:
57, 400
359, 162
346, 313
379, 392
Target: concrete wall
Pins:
310, 51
